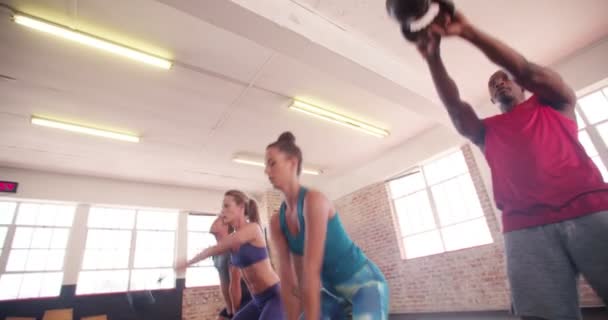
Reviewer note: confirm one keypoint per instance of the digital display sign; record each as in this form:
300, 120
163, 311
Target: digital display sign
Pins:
8, 186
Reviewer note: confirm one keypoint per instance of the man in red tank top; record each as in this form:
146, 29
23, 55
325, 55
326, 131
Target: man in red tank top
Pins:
553, 199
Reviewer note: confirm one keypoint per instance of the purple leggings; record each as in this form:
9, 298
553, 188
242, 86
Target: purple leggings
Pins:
264, 306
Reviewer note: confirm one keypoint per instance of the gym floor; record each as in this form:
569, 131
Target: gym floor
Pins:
588, 314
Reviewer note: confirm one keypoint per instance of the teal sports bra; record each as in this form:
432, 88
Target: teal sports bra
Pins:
342, 257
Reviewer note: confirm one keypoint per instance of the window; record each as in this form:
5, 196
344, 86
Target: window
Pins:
36, 250
592, 120
128, 249
438, 209
199, 238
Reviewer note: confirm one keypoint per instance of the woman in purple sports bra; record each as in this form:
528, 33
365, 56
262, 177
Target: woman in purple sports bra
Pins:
249, 253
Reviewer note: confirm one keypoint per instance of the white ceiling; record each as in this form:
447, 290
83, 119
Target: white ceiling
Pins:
237, 65
546, 31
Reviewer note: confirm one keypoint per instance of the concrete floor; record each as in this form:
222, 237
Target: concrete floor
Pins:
588, 314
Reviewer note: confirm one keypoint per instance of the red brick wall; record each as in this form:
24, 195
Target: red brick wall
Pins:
202, 303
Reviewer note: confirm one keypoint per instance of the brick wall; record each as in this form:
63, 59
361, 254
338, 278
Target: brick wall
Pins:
464, 280
270, 202
202, 303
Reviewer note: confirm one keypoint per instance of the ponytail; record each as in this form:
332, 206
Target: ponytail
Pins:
251, 211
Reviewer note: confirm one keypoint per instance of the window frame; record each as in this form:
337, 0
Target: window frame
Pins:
7, 247
197, 266
433, 203
132, 250
598, 143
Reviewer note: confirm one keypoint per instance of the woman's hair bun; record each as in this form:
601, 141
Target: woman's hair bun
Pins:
287, 137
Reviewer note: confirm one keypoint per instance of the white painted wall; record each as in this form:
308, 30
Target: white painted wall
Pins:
91, 190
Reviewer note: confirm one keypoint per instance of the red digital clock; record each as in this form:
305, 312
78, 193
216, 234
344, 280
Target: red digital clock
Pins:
8, 186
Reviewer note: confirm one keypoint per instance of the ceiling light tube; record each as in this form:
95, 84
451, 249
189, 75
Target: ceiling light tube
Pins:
83, 129
89, 40
338, 118
254, 161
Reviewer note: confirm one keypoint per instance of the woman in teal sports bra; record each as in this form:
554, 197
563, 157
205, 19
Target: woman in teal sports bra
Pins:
333, 277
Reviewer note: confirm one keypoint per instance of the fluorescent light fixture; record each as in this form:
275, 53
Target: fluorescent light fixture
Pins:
338, 118
92, 41
258, 162
82, 129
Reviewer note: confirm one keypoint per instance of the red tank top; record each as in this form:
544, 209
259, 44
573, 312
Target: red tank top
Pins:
540, 172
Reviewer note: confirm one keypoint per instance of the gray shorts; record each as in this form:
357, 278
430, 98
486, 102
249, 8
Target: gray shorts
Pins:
543, 265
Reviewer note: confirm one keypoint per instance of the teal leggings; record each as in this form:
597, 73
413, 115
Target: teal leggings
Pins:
365, 296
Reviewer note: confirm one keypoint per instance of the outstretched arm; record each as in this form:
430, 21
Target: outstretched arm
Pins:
461, 113
547, 84
233, 241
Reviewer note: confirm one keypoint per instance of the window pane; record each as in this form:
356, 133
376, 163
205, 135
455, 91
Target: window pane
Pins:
595, 107
102, 281
9, 286
28, 214
51, 284
445, 168
41, 238
64, 216
111, 218
54, 260
154, 220
579, 121
197, 241
30, 285
45, 214
60, 238
406, 185
200, 222
203, 276
423, 244
602, 129
7, 211
466, 235
154, 249
149, 258
95, 259
109, 239
600, 165
23, 237
456, 200
155, 239
148, 279
107, 249
36, 260
414, 213
583, 138
3, 232
17, 260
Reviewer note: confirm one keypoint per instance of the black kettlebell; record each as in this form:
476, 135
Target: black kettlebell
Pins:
406, 11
